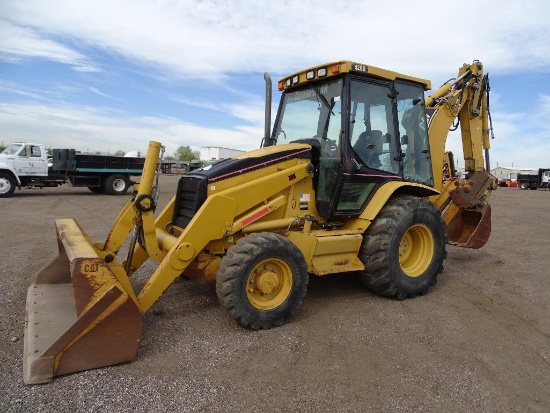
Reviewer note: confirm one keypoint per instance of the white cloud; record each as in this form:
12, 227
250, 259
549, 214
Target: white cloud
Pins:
98, 92
20, 43
544, 101
11, 87
213, 38
251, 111
95, 130
517, 142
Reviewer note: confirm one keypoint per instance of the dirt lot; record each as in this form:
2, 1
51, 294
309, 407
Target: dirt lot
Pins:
478, 342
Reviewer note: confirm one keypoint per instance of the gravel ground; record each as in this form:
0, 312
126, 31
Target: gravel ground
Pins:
478, 342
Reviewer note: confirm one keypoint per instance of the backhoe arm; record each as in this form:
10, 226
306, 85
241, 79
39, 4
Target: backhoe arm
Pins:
464, 99
463, 102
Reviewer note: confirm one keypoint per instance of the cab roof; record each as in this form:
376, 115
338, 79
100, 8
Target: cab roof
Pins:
332, 69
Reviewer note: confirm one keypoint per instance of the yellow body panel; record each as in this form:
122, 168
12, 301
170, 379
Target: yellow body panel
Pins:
334, 254
328, 252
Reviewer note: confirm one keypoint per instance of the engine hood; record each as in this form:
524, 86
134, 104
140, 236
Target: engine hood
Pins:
255, 159
192, 187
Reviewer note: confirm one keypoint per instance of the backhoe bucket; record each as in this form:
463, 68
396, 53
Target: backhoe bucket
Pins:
470, 228
79, 316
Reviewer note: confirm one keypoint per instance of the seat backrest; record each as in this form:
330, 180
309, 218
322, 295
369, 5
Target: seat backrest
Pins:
377, 139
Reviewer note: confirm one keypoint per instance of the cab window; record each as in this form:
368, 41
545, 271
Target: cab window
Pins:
372, 127
413, 131
35, 152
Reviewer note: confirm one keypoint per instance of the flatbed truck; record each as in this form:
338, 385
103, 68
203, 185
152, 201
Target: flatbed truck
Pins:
27, 165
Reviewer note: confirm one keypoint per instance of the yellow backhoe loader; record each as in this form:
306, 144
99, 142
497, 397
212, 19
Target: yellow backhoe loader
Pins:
353, 179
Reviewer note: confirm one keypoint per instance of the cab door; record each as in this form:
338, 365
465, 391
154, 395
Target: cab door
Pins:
30, 162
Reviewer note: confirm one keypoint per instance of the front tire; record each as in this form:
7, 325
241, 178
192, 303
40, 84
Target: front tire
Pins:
262, 280
7, 185
404, 248
116, 184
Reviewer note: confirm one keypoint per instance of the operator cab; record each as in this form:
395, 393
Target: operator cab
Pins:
367, 127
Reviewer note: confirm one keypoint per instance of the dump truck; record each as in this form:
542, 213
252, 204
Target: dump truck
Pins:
27, 165
353, 179
539, 179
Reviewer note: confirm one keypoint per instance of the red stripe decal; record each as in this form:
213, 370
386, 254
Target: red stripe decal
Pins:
255, 216
388, 176
374, 175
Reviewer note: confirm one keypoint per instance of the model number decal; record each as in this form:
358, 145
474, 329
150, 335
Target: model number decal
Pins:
359, 67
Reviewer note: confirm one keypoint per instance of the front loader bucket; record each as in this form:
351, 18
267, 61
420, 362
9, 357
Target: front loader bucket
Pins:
79, 315
470, 228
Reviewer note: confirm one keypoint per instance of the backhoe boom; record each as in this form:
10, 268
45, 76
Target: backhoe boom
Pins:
464, 204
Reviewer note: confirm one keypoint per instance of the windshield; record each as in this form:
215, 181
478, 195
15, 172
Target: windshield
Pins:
313, 112
12, 149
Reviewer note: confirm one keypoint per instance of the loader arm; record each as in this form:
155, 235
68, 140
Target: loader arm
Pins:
463, 203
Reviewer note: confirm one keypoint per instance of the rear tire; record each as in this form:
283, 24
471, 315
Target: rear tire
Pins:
524, 185
7, 185
262, 280
116, 184
404, 248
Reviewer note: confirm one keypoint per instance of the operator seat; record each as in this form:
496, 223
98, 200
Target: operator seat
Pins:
369, 147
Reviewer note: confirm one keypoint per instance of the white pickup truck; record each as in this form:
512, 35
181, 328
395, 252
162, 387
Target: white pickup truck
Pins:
25, 164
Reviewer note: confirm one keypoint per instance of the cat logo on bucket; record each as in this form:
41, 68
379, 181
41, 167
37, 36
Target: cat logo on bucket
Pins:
91, 267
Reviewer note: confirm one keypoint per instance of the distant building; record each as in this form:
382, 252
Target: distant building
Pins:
133, 154
503, 172
216, 153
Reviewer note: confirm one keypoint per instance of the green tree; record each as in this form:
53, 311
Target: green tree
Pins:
185, 153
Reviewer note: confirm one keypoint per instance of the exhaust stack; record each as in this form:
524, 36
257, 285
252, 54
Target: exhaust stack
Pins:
268, 91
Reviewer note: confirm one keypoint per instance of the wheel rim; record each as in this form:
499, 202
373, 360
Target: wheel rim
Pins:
416, 250
5, 186
269, 284
119, 184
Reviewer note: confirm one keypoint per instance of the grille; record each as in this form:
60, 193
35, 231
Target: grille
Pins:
190, 196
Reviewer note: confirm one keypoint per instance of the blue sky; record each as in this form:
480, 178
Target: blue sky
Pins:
108, 75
